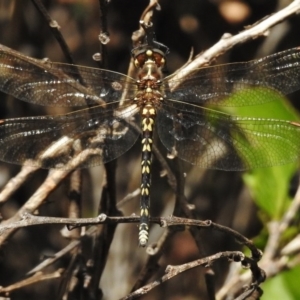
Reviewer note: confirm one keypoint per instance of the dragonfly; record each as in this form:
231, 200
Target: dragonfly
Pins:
116, 109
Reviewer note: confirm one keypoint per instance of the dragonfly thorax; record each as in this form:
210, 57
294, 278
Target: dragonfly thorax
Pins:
149, 93
150, 71
150, 62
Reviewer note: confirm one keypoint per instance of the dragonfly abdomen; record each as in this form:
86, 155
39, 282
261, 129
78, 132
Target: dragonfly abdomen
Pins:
148, 119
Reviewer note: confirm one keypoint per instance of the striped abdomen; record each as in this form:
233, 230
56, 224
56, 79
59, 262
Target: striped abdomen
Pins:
148, 118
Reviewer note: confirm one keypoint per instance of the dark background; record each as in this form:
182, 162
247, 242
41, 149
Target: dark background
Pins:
217, 195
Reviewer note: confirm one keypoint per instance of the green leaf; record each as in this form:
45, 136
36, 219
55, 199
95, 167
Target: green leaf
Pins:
283, 286
273, 105
268, 186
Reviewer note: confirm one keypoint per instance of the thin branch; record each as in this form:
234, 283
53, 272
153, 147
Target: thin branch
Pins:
51, 183
172, 271
55, 29
260, 28
274, 259
36, 278
14, 183
49, 261
31, 220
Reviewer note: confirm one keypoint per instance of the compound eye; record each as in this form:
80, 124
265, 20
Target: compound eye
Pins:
139, 60
136, 63
159, 59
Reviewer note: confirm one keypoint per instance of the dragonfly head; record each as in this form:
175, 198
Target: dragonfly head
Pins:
148, 55
150, 50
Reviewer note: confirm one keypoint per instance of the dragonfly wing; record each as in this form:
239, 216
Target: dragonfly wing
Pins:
89, 137
214, 140
55, 84
214, 85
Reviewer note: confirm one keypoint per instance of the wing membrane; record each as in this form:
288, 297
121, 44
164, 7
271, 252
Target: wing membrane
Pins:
52, 141
214, 85
54, 84
211, 139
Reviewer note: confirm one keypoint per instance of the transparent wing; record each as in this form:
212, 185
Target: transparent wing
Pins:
91, 136
211, 139
214, 85
55, 84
